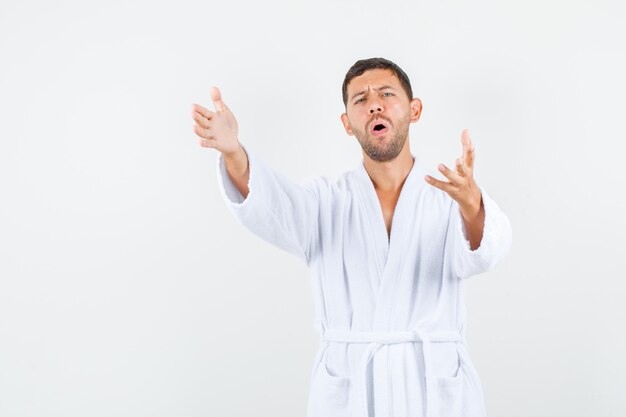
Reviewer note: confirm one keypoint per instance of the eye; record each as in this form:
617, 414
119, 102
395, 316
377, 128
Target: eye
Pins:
358, 100
388, 93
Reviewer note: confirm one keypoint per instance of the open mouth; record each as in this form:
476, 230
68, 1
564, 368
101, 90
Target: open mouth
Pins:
378, 128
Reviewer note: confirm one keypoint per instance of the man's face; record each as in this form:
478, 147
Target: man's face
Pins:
378, 113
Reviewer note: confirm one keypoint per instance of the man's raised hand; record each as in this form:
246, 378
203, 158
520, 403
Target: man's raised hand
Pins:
462, 187
216, 129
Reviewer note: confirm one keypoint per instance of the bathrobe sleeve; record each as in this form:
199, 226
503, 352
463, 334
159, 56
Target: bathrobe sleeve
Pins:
495, 243
277, 210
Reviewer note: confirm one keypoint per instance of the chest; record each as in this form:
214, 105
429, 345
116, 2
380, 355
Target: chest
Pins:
388, 201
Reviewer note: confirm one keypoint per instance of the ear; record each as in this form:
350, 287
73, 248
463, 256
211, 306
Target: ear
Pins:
416, 109
346, 124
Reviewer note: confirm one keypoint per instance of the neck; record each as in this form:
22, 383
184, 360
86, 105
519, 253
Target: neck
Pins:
390, 175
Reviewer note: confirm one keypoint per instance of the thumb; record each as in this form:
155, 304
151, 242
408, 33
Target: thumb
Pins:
216, 96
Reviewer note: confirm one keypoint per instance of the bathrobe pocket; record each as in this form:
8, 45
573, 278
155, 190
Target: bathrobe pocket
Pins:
449, 392
330, 392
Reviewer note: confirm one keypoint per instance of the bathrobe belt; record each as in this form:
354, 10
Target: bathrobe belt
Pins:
377, 340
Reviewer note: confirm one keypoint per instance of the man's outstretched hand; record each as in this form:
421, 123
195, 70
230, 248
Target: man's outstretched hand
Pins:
216, 129
463, 189
219, 130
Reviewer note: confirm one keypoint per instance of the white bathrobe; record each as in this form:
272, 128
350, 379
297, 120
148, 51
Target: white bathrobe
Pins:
391, 313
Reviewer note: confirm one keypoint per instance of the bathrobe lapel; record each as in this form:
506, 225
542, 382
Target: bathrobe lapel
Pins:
389, 252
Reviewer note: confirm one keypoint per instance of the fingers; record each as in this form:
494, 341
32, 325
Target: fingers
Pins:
442, 185
465, 138
204, 133
216, 96
202, 128
459, 166
200, 119
461, 182
451, 175
468, 150
208, 143
203, 118
208, 114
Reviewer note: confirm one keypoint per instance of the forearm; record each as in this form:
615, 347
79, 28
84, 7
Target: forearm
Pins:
279, 211
474, 221
238, 169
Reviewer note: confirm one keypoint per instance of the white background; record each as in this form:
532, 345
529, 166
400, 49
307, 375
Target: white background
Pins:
127, 288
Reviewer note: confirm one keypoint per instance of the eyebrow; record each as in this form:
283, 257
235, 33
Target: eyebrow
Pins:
383, 87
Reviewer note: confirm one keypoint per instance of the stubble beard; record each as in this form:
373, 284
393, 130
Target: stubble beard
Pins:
381, 152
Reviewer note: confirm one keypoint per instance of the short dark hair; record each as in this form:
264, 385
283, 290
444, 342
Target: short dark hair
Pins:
363, 65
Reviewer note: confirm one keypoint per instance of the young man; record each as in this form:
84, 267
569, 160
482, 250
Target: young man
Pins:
389, 247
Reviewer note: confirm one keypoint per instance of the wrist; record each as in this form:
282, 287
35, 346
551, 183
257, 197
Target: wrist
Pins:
473, 208
236, 161
235, 154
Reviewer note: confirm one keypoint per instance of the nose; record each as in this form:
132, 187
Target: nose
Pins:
376, 106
